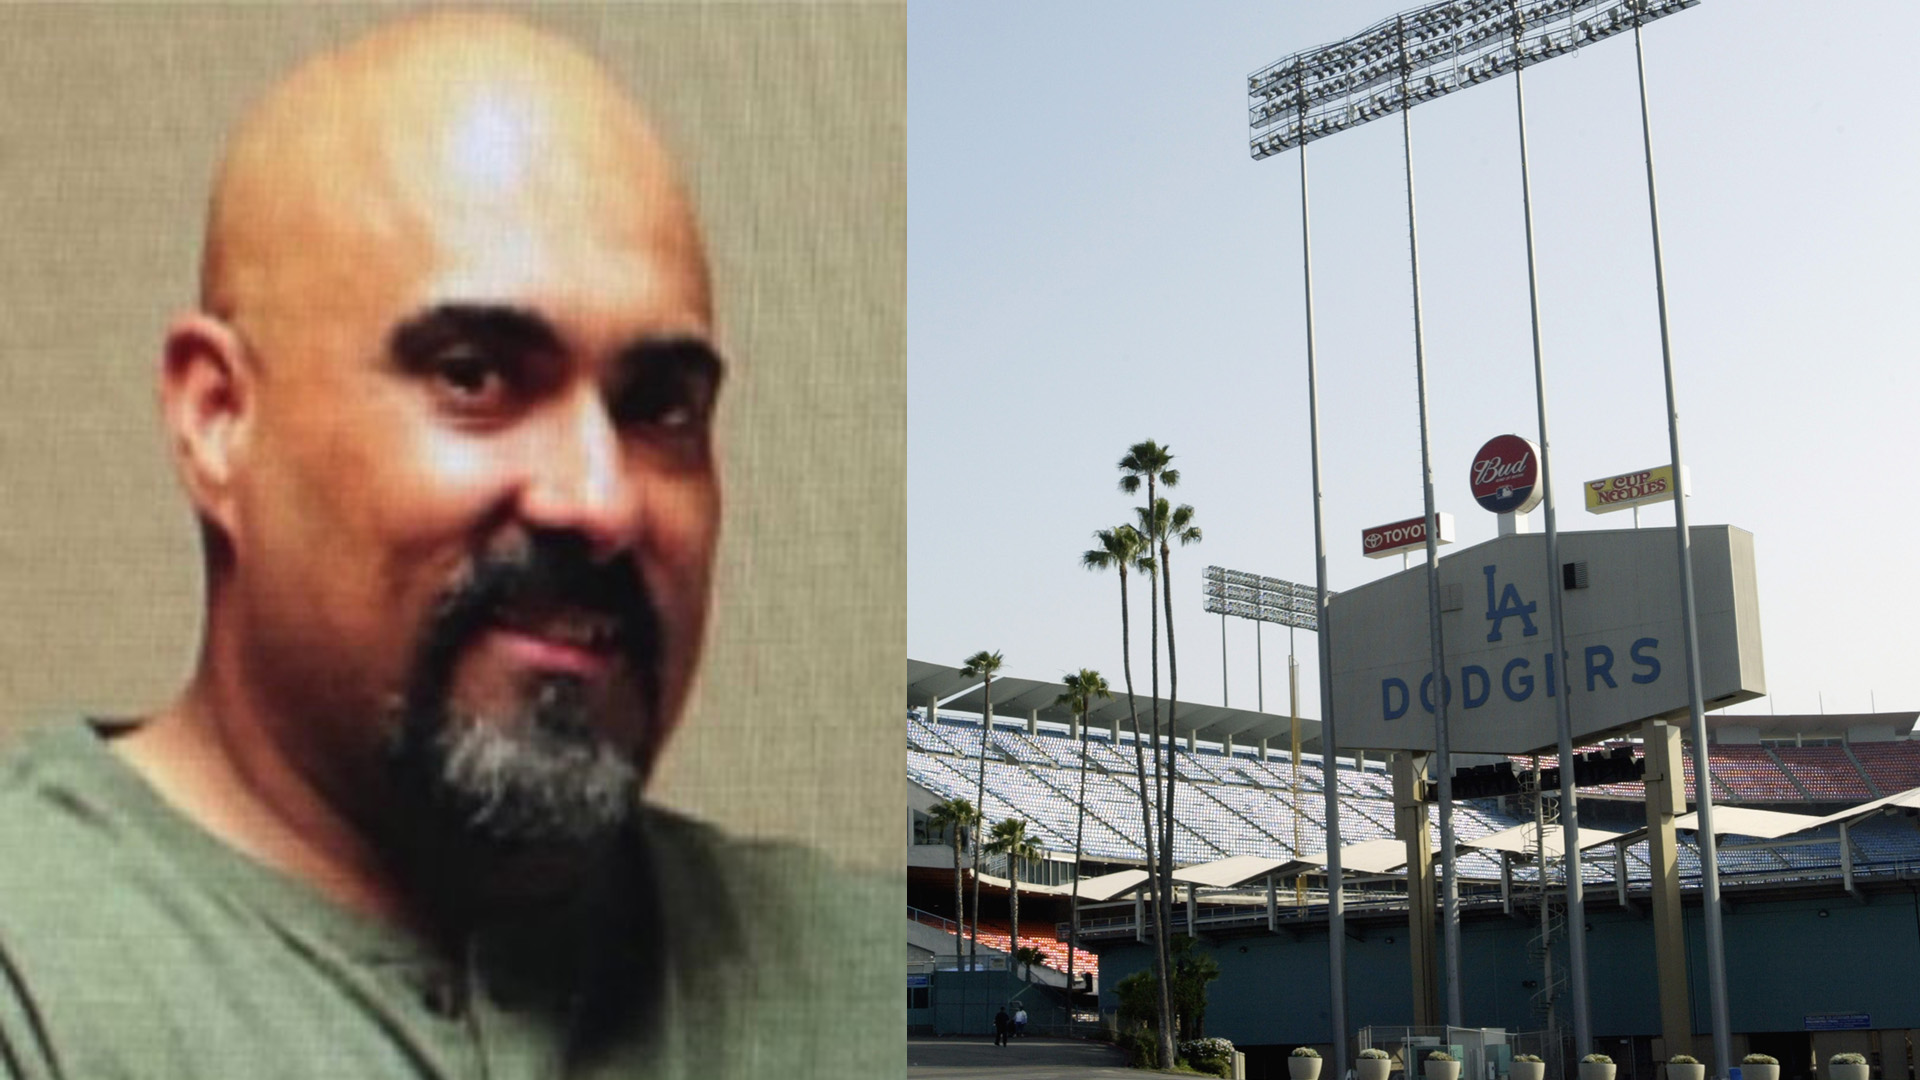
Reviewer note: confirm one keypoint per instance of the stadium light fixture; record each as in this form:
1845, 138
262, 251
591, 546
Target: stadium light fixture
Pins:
1264, 599
1421, 55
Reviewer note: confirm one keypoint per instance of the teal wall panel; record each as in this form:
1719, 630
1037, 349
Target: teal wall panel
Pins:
1784, 962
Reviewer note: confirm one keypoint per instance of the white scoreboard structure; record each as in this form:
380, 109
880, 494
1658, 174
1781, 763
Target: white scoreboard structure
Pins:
1626, 650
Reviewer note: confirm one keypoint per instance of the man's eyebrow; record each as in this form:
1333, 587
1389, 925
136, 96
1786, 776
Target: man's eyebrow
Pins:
689, 354
423, 336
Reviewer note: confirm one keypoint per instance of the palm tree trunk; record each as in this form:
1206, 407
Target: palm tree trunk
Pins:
1133, 712
1164, 877
980, 790
1013, 943
1173, 733
959, 906
1073, 899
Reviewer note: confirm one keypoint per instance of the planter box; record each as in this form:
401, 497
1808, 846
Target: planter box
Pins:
1760, 1072
1303, 1068
1441, 1070
1683, 1071
1594, 1070
1847, 1072
1528, 1070
1372, 1068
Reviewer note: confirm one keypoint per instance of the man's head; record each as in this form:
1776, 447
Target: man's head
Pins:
444, 415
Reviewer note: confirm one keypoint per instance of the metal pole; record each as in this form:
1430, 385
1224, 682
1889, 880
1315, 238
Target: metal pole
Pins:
1450, 895
1260, 669
1702, 778
1569, 812
1299, 815
1336, 913
1223, 659
1546, 915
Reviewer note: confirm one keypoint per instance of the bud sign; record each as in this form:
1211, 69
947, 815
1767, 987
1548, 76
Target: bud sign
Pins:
1506, 475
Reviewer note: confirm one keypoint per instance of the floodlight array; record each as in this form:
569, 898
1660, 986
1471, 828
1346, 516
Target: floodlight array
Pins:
1422, 54
1251, 596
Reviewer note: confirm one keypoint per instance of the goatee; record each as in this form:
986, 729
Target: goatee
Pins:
547, 781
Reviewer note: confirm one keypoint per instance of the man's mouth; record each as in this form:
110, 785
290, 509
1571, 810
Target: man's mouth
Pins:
569, 640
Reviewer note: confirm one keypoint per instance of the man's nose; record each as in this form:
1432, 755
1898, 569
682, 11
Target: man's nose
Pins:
578, 479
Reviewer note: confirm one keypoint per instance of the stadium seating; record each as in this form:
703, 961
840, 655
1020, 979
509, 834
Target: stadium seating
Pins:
1241, 805
1040, 936
1892, 766
1826, 772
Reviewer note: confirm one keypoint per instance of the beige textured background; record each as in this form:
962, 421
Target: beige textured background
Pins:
791, 123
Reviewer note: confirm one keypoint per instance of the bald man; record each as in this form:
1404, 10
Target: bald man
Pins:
444, 415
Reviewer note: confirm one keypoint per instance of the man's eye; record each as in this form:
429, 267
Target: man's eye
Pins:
666, 391
472, 380
673, 403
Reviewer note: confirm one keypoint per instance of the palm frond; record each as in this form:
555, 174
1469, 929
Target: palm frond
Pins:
981, 664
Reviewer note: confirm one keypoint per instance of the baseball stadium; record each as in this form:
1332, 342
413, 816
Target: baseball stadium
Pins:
1820, 870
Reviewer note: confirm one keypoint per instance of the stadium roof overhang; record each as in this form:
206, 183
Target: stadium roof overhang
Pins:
1017, 698
1382, 856
1775, 824
1519, 840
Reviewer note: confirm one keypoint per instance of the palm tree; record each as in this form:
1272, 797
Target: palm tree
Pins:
1152, 462
1122, 547
1082, 688
1010, 838
1161, 527
982, 664
959, 816
1029, 956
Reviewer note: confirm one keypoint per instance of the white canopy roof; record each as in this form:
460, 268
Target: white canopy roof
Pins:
1367, 857
1519, 840
1746, 821
1015, 698
1108, 886
1227, 873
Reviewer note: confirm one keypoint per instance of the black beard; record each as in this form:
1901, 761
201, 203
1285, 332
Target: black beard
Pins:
547, 782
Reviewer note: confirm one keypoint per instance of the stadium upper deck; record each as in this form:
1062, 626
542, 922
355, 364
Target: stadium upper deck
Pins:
1239, 804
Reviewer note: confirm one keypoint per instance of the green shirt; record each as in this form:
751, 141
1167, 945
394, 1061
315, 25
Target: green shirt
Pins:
135, 944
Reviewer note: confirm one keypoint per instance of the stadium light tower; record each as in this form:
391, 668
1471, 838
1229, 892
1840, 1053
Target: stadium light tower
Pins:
1397, 63
1709, 855
1272, 600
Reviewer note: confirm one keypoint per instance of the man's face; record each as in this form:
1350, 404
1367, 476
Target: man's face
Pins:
479, 510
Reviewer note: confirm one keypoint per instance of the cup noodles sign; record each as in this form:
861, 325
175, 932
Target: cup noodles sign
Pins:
1631, 489
1384, 540
1506, 475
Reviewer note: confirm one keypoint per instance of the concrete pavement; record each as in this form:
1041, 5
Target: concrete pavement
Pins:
976, 1058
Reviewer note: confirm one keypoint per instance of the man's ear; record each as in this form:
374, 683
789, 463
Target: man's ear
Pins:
206, 402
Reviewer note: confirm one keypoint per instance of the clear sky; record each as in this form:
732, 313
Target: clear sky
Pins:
1096, 260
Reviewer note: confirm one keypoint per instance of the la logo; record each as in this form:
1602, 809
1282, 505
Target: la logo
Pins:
1508, 607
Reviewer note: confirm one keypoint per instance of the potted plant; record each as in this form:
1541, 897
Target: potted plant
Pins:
1847, 1067
1441, 1066
1304, 1063
1213, 1057
1374, 1064
1686, 1067
1760, 1067
1596, 1067
1527, 1067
